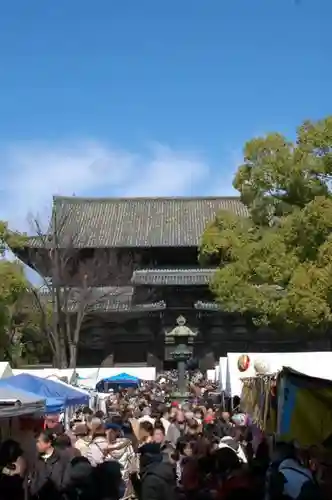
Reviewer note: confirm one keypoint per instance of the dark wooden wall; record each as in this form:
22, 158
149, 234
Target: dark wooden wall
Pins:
134, 339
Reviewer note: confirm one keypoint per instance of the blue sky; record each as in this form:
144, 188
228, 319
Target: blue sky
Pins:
150, 97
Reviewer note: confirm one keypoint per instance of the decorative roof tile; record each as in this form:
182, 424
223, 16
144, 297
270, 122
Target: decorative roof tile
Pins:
138, 222
173, 277
207, 306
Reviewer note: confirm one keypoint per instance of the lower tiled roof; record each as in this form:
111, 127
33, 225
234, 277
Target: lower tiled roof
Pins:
106, 299
173, 277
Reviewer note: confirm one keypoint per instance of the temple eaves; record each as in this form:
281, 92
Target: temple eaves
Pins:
173, 277
119, 299
103, 300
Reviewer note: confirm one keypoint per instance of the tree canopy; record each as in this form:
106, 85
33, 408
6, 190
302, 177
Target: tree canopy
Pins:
276, 263
21, 340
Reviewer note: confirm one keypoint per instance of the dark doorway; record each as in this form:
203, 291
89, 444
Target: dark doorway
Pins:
134, 352
170, 365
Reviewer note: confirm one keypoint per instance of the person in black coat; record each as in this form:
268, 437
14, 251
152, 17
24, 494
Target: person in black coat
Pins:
12, 471
51, 472
81, 484
157, 479
108, 480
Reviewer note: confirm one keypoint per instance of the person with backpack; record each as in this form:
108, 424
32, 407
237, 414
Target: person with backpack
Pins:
288, 479
97, 449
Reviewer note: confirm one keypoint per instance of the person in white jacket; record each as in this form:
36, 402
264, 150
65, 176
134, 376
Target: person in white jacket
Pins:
119, 448
96, 452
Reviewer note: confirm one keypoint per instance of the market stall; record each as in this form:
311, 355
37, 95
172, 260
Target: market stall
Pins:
304, 408
122, 380
259, 400
57, 395
16, 402
21, 415
291, 406
5, 370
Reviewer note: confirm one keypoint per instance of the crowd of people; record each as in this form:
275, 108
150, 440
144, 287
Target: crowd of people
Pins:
148, 447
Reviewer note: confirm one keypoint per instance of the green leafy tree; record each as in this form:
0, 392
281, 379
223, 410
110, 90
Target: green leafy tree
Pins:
277, 263
279, 175
12, 285
35, 346
21, 338
10, 239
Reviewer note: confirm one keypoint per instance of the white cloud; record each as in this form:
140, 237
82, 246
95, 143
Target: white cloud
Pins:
31, 173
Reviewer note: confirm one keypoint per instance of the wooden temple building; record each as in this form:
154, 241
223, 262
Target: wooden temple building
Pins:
141, 263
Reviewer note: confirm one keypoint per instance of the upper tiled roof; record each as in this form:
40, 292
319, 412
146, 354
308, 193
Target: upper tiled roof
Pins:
139, 222
173, 277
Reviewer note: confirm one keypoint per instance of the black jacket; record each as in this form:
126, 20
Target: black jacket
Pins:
158, 482
11, 487
50, 477
79, 482
223, 428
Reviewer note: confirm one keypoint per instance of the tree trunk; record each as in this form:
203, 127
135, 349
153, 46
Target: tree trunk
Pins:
60, 351
72, 355
63, 351
74, 339
60, 357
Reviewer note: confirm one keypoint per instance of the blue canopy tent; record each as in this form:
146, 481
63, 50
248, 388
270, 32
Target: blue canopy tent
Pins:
121, 380
57, 395
54, 405
15, 402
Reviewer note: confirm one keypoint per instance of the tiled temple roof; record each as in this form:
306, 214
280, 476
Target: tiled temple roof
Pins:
138, 222
173, 277
107, 299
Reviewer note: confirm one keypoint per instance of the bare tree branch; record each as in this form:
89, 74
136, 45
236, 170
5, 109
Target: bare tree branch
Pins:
71, 279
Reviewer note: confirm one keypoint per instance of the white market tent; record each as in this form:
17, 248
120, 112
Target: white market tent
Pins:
16, 402
5, 370
89, 377
314, 364
55, 378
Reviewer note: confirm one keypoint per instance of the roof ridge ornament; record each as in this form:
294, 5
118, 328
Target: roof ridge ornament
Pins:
181, 320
